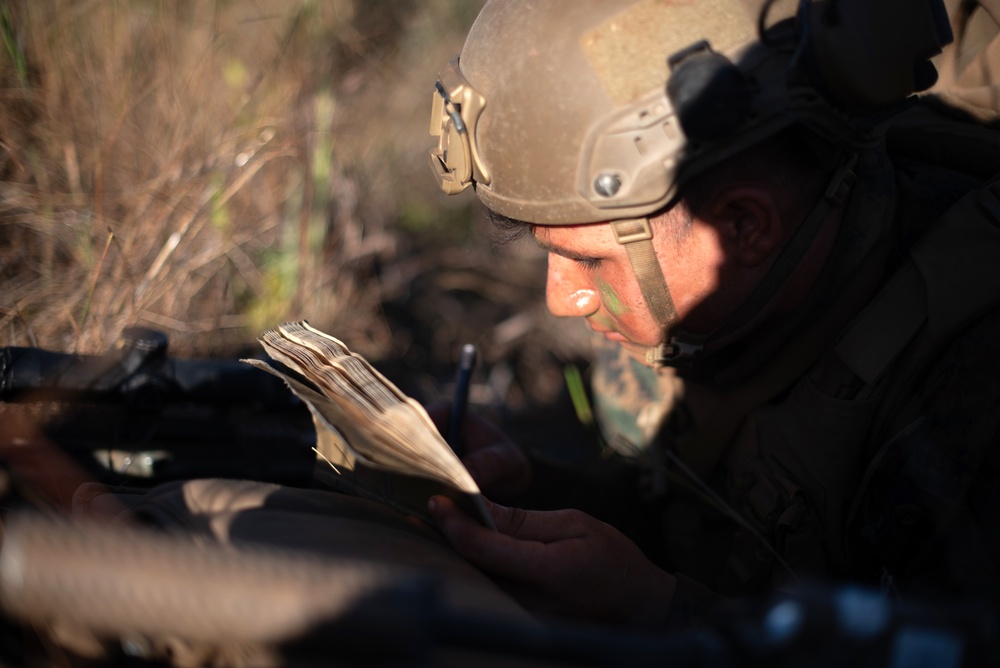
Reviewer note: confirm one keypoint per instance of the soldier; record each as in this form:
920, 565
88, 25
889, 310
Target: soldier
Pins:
791, 264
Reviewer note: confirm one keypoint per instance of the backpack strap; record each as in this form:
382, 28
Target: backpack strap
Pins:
949, 280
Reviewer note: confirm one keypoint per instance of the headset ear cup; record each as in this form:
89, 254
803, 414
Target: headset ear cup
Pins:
868, 56
710, 95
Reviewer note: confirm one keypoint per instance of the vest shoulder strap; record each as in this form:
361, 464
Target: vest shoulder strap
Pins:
949, 279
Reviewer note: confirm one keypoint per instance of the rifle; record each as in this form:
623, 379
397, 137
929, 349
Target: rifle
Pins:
348, 612
136, 416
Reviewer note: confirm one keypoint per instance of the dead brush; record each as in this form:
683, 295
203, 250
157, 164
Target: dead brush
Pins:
198, 167
211, 168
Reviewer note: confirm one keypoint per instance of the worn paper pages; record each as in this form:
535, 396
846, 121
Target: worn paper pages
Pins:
360, 415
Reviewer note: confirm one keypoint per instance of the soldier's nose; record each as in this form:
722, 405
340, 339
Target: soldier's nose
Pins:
568, 293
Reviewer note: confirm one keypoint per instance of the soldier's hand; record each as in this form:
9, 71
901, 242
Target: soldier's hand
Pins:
563, 563
496, 463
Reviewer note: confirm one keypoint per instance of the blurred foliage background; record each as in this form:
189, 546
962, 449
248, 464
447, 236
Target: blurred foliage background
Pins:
210, 168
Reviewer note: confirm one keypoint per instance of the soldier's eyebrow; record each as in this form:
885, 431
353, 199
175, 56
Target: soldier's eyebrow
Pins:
561, 252
586, 261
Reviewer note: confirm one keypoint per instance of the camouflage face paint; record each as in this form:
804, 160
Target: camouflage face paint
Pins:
610, 298
603, 321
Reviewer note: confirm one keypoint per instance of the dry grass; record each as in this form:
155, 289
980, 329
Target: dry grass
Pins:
209, 168
206, 167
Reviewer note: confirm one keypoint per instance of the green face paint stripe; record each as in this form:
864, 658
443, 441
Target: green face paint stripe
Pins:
609, 298
603, 321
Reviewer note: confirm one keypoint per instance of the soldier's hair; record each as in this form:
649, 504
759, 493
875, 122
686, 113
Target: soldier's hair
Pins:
505, 230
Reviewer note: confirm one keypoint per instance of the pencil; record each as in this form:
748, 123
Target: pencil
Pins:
466, 363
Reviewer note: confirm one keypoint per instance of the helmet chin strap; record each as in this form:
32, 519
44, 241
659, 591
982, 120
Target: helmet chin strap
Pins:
637, 237
680, 348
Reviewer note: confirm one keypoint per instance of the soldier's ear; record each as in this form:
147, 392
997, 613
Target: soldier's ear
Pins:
749, 220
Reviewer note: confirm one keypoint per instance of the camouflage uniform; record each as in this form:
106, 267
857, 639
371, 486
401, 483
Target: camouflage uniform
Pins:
854, 439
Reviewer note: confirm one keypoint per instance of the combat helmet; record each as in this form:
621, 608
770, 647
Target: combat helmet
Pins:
599, 110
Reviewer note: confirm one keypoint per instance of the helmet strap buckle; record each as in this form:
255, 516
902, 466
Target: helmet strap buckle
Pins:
680, 351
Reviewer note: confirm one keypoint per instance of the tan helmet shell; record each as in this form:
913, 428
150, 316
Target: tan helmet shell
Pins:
559, 111
573, 94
